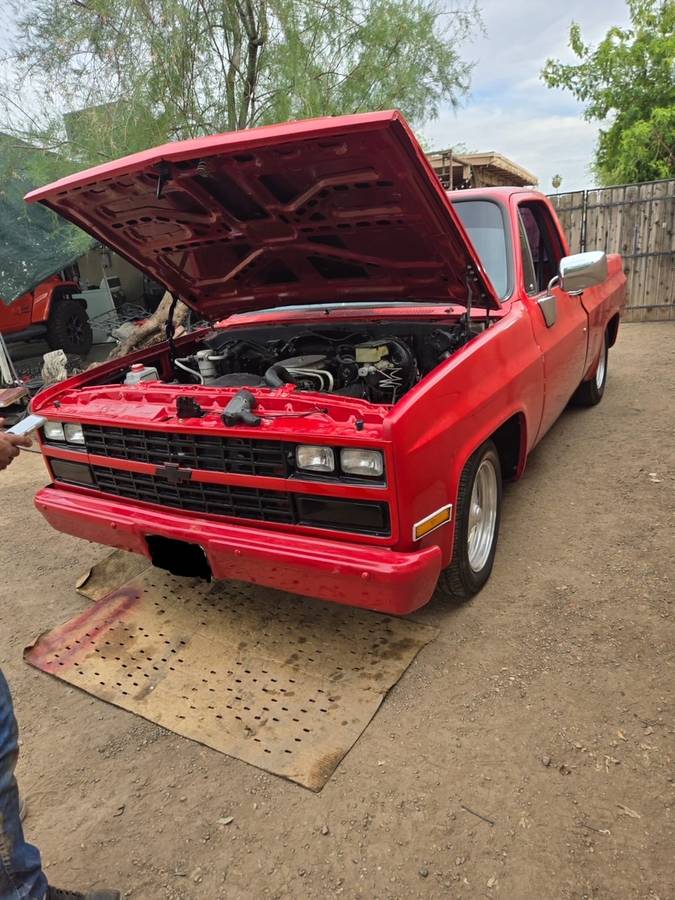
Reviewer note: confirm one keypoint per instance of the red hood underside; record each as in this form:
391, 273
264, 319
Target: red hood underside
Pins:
327, 210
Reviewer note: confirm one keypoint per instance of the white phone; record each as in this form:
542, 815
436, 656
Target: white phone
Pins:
27, 425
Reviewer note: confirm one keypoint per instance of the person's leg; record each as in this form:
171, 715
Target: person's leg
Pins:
21, 875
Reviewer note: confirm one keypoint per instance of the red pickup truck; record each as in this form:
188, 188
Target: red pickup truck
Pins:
384, 355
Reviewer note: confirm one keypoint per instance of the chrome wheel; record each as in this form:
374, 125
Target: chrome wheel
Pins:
600, 371
482, 515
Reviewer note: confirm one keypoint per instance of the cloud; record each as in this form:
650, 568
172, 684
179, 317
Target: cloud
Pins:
544, 144
510, 110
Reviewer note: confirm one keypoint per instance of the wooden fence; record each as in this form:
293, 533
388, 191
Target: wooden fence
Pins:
637, 221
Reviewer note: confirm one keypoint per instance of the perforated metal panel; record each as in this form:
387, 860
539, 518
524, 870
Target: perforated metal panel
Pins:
282, 682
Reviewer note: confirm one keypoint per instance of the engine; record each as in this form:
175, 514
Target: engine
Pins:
378, 367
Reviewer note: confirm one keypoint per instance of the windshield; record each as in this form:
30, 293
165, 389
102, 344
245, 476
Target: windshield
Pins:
484, 223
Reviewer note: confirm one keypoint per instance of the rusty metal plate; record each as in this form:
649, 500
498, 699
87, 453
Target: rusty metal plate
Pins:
109, 573
284, 683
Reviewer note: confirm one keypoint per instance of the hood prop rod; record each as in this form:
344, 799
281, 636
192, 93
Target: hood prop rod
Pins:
469, 302
164, 175
170, 330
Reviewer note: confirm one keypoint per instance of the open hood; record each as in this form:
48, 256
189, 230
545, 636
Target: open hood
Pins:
325, 210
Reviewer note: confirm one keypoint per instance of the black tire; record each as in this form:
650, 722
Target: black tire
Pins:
460, 581
68, 328
590, 393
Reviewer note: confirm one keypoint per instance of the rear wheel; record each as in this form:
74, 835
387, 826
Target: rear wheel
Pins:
478, 513
589, 393
69, 328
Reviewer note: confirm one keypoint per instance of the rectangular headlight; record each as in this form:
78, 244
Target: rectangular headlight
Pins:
315, 459
362, 462
73, 433
53, 431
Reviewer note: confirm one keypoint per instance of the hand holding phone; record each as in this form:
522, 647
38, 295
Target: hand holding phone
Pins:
15, 437
26, 426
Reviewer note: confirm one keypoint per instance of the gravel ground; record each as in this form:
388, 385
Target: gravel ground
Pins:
545, 705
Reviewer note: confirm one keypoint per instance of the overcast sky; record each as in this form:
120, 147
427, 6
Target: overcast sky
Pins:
510, 110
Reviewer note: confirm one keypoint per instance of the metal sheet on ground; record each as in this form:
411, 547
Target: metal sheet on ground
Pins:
115, 569
282, 682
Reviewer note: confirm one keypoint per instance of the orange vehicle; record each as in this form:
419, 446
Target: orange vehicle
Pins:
50, 312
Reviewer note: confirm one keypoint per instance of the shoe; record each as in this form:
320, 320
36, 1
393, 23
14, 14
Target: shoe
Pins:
59, 894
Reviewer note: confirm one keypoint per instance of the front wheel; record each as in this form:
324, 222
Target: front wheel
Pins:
69, 328
589, 393
478, 513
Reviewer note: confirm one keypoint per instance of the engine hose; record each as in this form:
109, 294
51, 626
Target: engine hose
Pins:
181, 365
324, 377
277, 376
407, 364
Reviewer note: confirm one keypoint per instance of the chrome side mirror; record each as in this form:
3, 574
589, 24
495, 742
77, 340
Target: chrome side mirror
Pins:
582, 270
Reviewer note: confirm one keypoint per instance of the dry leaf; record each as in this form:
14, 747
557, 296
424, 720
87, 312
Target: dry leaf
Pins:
609, 760
629, 812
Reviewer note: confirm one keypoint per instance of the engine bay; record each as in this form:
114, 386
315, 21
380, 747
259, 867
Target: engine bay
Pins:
378, 363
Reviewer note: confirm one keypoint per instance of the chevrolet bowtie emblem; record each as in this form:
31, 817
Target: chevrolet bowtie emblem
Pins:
173, 473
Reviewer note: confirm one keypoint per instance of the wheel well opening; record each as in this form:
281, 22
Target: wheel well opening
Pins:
508, 441
65, 293
612, 330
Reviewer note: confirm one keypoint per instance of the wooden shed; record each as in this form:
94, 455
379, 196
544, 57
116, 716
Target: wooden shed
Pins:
472, 170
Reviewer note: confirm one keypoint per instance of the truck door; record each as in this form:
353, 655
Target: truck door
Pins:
560, 324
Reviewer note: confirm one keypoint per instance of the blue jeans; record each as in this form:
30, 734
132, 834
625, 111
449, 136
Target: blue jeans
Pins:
21, 875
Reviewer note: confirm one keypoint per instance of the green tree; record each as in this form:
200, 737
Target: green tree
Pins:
628, 82
94, 79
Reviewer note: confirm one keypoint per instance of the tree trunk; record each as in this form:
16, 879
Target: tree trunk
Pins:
152, 330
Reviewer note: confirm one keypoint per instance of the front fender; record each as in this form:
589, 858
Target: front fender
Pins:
46, 294
440, 423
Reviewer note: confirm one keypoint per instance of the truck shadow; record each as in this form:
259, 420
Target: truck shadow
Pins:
525, 502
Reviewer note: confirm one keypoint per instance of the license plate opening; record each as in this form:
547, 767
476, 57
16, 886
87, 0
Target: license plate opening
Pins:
178, 557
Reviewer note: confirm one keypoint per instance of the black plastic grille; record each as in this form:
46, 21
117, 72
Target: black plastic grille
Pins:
242, 456
198, 496
360, 516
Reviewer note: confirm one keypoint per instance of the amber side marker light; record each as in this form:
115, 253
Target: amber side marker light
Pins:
432, 522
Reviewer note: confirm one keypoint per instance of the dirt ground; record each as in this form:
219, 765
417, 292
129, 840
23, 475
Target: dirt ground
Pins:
545, 705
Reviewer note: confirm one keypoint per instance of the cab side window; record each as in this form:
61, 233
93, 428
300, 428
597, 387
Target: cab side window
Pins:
540, 246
